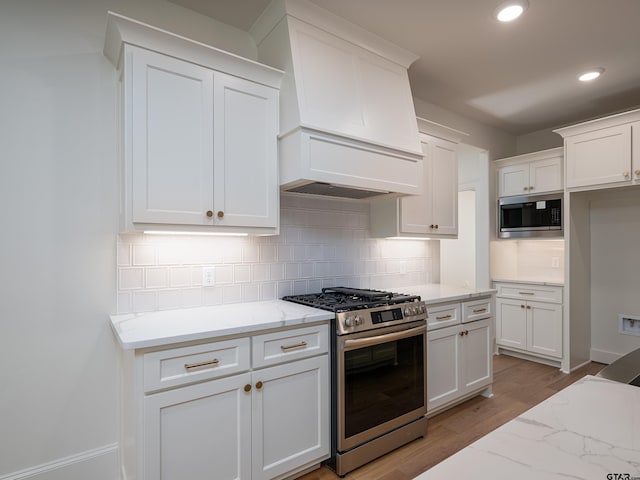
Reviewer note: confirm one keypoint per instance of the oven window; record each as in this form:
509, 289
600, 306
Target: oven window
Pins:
383, 382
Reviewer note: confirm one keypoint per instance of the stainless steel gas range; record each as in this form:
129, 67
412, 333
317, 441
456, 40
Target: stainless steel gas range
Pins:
379, 372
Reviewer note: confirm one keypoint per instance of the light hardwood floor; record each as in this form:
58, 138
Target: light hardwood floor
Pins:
518, 385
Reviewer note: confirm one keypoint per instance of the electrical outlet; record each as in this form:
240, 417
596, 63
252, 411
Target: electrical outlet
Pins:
555, 262
208, 278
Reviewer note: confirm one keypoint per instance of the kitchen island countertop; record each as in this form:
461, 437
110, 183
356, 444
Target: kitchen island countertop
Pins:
589, 430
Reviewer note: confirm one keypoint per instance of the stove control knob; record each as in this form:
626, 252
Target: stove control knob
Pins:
423, 309
358, 321
407, 311
348, 322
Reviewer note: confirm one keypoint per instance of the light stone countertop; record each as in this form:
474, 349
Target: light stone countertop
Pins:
531, 282
440, 293
590, 430
155, 329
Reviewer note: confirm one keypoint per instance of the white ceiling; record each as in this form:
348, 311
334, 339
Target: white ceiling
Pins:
520, 77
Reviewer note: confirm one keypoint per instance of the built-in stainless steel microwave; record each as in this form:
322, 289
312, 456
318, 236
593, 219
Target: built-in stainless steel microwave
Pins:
530, 216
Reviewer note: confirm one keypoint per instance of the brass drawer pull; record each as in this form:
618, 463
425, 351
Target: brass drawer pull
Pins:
284, 348
480, 310
189, 366
247, 388
526, 293
258, 385
446, 317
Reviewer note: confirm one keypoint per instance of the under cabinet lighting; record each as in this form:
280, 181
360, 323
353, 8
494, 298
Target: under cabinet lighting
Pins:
591, 74
510, 10
408, 238
213, 234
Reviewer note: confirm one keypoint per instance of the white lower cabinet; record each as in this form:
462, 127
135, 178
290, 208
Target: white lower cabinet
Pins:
529, 326
459, 357
267, 422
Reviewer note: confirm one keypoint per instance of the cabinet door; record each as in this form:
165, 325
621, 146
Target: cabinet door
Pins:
170, 139
511, 324
199, 432
544, 329
476, 355
546, 175
513, 180
245, 151
635, 148
290, 416
443, 366
435, 211
444, 187
599, 157
415, 210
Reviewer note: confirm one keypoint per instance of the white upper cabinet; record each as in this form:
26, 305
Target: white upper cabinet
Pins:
434, 212
531, 173
604, 152
199, 134
171, 138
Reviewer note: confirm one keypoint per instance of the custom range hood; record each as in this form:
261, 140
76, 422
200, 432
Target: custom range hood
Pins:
347, 121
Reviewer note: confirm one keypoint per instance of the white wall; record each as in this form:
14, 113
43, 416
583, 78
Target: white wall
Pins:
499, 144
536, 141
615, 270
58, 188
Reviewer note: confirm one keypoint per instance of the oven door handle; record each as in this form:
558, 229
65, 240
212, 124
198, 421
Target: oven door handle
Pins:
387, 337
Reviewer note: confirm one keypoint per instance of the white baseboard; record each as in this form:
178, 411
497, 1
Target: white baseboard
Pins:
97, 464
603, 356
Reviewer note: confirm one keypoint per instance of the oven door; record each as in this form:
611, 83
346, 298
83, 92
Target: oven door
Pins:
381, 382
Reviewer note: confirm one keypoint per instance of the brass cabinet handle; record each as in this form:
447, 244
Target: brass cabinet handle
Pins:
525, 188
446, 317
247, 387
220, 214
462, 334
637, 172
189, 366
209, 213
526, 293
529, 307
258, 385
480, 310
284, 348
466, 332
521, 306
437, 226
626, 174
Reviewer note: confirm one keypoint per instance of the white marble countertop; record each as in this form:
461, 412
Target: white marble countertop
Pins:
532, 282
589, 430
172, 326
438, 293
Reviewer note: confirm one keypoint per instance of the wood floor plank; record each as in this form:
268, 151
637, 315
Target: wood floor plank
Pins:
518, 386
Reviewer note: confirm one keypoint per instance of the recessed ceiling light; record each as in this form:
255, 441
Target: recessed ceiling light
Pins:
590, 74
510, 10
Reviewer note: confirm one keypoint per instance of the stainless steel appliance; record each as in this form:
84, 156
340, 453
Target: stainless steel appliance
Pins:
626, 369
379, 373
530, 216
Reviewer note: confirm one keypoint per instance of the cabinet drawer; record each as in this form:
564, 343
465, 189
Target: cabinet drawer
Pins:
477, 309
540, 293
294, 344
179, 366
440, 316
